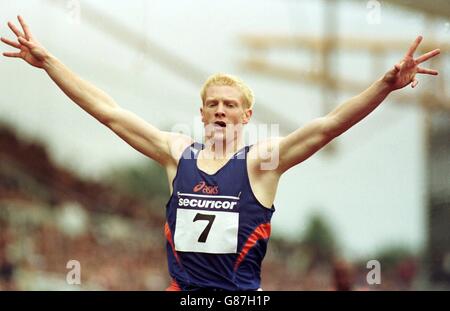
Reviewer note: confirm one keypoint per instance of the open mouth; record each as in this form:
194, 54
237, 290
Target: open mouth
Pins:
220, 123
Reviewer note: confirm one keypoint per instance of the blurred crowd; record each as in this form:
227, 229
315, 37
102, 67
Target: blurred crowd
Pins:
114, 253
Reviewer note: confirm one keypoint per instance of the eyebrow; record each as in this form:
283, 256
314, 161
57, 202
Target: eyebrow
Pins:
225, 100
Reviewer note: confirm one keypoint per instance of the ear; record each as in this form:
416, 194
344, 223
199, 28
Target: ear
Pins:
247, 115
201, 113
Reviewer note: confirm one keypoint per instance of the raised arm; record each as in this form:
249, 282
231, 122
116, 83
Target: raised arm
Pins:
142, 136
304, 142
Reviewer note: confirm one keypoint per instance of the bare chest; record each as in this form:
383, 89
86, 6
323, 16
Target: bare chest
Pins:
211, 166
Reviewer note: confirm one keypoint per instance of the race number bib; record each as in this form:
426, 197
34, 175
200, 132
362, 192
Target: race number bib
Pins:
207, 224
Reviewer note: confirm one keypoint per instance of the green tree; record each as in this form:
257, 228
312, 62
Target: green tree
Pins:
146, 180
319, 240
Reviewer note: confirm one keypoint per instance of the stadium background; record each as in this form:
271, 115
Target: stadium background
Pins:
71, 190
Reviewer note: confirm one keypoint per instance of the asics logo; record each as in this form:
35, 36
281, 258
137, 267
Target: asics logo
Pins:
204, 188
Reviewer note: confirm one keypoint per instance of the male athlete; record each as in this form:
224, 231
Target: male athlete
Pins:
222, 194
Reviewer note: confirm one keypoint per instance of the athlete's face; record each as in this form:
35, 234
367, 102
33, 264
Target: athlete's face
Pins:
223, 112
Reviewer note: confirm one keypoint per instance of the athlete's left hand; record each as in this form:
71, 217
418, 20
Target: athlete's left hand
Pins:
405, 71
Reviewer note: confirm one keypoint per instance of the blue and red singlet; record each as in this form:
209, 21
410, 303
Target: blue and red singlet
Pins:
216, 230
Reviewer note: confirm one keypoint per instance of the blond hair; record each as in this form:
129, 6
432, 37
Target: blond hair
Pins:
229, 80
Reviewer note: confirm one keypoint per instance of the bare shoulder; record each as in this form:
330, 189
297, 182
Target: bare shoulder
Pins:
263, 157
263, 170
177, 143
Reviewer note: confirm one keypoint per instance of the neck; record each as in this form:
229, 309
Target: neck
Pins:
222, 149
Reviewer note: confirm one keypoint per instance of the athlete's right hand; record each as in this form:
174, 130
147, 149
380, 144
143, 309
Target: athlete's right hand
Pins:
31, 50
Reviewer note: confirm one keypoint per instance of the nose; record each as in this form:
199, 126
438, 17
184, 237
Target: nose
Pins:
220, 112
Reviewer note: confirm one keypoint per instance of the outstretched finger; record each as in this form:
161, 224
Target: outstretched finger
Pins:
25, 28
414, 46
427, 56
11, 43
9, 54
414, 83
427, 71
15, 30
